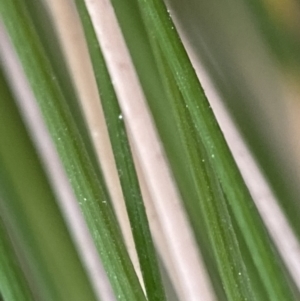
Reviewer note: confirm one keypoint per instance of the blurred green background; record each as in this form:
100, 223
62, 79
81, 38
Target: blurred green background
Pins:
250, 49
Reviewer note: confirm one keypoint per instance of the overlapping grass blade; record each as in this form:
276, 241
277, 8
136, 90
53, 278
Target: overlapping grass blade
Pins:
86, 180
161, 31
147, 69
128, 18
125, 165
186, 269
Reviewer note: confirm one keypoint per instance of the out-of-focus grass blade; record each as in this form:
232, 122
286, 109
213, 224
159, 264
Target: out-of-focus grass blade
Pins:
125, 165
32, 217
85, 178
161, 31
13, 284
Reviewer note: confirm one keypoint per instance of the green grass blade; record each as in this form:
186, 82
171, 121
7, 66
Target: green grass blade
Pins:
86, 180
32, 216
125, 165
161, 30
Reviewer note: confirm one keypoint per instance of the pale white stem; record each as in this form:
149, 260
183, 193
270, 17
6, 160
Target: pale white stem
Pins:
166, 201
66, 199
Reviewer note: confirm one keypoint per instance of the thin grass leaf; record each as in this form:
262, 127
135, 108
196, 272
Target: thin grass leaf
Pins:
161, 30
86, 180
125, 165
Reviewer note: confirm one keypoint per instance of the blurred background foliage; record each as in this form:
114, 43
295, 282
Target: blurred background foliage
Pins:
250, 50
